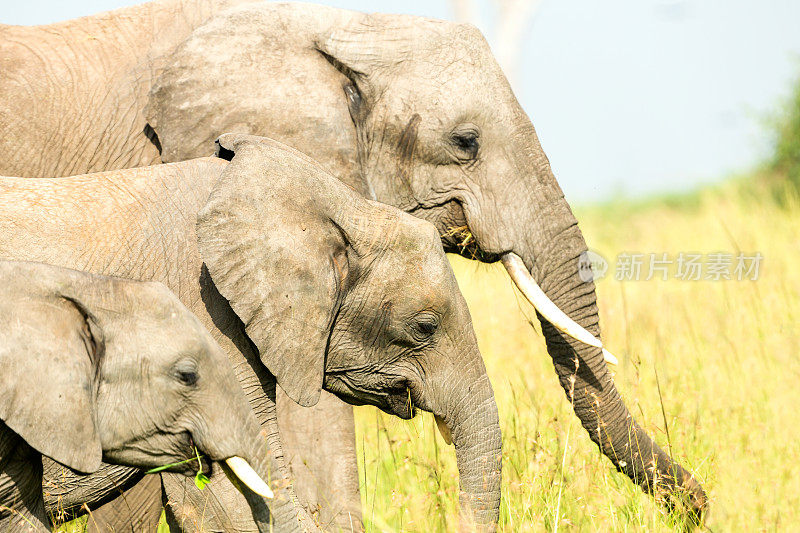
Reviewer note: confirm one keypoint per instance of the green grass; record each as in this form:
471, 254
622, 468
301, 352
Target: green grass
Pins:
726, 353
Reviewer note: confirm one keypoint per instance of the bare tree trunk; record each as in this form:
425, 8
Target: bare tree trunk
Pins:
507, 34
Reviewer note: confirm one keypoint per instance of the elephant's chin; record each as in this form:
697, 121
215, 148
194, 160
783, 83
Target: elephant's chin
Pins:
401, 406
457, 236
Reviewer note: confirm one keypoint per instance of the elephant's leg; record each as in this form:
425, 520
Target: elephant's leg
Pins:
320, 446
21, 505
135, 510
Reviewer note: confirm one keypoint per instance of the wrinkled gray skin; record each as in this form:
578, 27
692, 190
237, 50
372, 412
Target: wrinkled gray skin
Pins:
412, 112
327, 290
96, 368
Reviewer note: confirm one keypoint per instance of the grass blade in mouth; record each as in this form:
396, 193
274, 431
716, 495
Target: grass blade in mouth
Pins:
200, 479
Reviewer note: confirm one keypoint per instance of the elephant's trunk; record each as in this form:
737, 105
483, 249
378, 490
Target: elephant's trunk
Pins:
465, 404
553, 258
287, 514
249, 454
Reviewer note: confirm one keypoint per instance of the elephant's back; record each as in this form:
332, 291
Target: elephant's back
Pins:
112, 194
73, 91
129, 223
69, 93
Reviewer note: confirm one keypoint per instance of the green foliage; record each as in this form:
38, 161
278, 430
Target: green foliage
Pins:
786, 156
201, 480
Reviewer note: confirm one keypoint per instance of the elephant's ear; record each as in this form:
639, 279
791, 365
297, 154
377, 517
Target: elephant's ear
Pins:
50, 346
370, 42
369, 45
273, 251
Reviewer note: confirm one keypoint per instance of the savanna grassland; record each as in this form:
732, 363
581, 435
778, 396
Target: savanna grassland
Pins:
725, 354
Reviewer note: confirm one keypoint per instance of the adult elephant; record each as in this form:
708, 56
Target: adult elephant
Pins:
412, 112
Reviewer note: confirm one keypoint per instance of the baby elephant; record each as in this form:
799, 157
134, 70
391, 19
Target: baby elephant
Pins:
99, 368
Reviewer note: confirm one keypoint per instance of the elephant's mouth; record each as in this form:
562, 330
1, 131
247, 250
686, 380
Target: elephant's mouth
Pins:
190, 459
205, 461
460, 240
396, 399
457, 237
174, 452
400, 403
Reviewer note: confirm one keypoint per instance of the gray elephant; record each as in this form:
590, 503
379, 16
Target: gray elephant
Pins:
411, 112
99, 368
322, 290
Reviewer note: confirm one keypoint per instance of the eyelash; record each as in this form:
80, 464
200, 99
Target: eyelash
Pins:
420, 327
188, 378
467, 143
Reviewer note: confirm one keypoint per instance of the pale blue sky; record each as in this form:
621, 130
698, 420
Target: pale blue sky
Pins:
628, 96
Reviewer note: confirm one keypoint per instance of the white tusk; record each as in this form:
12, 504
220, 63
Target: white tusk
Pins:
550, 311
443, 429
610, 358
248, 476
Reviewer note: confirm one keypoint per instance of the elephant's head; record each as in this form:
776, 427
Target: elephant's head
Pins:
353, 296
99, 368
415, 113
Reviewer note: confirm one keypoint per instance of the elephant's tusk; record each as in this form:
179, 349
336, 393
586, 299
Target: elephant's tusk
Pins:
443, 429
550, 311
248, 476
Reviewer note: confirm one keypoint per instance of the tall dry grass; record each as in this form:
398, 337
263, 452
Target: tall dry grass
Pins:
726, 356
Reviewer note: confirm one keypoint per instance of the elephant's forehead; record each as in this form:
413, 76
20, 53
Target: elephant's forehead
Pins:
456, 91
154, 307
412, 235
460, 56
417, 266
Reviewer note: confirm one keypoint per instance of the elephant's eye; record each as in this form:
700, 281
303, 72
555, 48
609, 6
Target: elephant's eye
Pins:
466, 142
424, 325
185, 372
188, 378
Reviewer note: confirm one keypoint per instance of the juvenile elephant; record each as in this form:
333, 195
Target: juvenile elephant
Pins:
412, 112
321, 289
96, 368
